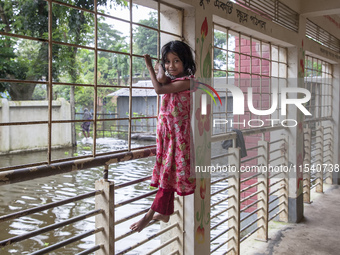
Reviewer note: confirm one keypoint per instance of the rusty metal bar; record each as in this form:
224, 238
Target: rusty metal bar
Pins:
23, 81
229, 250
221, 201
249, 159
16, 239
250, 205
252, 213
313, 186
220, 156
95, 96
131, 216
254, 131
275, 150
253, 194
48, 206
217, 192
132, 182
278, 197
24, 174
220, 180
220, 234
106, 172
220, 223
50, 86
271, 193
250, 177
135, 199
149, 238
176, 238
249, 234
276, 141
68, 241
23, 123
251, 186
219, 246
272, 184
91, 250
308, 121
255, 147
132, 231
276, 214
130, 78
278, 205
219, 213
251, 223
314, 179
174, 253
278, 173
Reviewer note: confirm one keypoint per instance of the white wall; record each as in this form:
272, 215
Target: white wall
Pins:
33, 136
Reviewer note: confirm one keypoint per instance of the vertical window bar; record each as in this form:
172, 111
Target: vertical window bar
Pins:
227, 79
49, 86
94, 151
130, 79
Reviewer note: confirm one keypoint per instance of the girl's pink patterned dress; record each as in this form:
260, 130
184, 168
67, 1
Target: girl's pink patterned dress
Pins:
173, 170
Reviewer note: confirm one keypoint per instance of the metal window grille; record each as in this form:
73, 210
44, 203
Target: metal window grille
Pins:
246, 61
318, 80
321, 36
275, 11
101, 30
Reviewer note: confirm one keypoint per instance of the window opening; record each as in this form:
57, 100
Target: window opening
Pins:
96, 63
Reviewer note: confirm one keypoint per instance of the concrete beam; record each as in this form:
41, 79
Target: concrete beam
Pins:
313, 8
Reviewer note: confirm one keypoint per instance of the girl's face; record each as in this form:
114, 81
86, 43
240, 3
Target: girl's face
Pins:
174, 65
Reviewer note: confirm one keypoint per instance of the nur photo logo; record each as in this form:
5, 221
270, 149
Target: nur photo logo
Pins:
280, 100
204, 97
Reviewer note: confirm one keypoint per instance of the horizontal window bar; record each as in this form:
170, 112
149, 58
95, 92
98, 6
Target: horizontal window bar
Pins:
250, 205
16, 239
251, 223
221, 222
217, 192
48, 206
220, 234
223, 211
91, 250
220, 180
132, 182
68, 241
135, 199
148, 239
220, 245
176, 238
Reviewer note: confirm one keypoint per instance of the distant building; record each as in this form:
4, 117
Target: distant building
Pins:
144, 104
144, 100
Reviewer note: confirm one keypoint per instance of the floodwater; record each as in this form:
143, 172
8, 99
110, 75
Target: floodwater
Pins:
20, 196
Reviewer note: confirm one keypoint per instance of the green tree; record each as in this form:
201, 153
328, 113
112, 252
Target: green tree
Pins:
24, 18
220, 58
145, 42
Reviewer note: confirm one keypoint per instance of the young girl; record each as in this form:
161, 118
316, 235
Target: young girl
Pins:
172, 171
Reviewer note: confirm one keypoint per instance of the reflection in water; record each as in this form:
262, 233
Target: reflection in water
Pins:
41, 191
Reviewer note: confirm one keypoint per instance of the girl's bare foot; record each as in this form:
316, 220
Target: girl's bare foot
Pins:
141, 224
164, 218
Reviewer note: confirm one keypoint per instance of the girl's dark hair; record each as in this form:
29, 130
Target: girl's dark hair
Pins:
183, 51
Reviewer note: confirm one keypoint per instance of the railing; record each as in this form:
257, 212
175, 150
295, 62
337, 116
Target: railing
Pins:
318, 161
245, 211
106, 224
51, 227
237, 211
